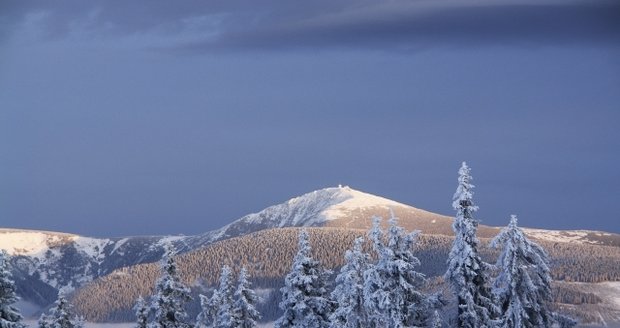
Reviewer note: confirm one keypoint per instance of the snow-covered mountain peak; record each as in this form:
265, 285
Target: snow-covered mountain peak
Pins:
311, 209
343, 197
354, 200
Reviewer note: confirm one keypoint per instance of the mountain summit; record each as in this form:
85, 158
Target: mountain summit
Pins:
333, 207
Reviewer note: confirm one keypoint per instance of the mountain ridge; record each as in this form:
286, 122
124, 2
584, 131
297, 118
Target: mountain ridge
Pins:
48, 261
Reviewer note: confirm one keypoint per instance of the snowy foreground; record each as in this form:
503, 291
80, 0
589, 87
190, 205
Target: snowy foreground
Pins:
33, 324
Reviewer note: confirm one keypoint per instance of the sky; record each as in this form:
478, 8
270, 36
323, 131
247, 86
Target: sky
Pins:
177, 117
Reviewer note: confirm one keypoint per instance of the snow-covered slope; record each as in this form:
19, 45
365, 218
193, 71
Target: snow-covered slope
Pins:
575, 236
31, 243
314, 209
44, 262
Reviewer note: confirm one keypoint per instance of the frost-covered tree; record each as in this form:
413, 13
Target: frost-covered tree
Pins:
43, 321
218, 311
392, 295
564, 321
142, 313
61, 315
349, 291
305, 299
467, 273
373, 280
171, 295
225, 316
436, 320
207, 314
524, 282
245, 311
9, 314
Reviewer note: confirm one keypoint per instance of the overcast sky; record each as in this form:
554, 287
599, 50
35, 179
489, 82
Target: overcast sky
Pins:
169, 117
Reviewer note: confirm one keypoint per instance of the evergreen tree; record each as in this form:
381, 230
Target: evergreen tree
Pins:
393, 294
245, 311
436, 320
304, 296
467, 273
43, 321
524, 282
61, 315
564, 321
373, 280
349, 291
9, 315
170, 295
207, 314
142, 313
224, 317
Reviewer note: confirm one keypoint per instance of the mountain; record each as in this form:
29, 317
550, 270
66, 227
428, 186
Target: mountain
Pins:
44, 262
344, 207
333, 207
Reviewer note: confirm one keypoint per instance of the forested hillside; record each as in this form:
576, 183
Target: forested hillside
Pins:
268, 255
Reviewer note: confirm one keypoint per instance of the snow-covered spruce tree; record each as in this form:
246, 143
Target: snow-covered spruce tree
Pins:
373, 280
43, 321
245, 311
61, 315
9, 315
524, 282
349, 291
142, 313
467, 273
207, 314
171, 295
305, 298
392, 293
563, 321
436, 320
225, 316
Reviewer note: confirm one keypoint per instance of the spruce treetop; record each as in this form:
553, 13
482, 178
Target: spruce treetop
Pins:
305, 300
349, 291
463, 197
61, 315
142, 313
225, 317
245, 311
524, 282
467, 273
391, 286
170, 295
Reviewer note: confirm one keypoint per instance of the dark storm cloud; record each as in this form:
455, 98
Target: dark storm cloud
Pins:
412, 26
126, 17
398, 25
